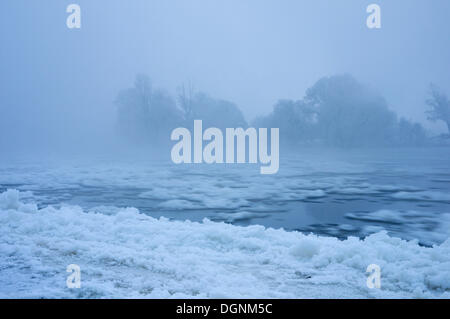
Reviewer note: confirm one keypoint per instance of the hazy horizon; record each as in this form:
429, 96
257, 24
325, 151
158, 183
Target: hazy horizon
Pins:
62, 82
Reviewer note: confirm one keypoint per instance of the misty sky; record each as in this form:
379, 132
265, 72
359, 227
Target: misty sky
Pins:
252, 52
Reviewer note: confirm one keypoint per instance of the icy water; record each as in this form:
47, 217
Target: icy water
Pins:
335, 193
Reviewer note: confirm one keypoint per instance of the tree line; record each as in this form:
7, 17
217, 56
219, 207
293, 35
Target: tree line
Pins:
336, 111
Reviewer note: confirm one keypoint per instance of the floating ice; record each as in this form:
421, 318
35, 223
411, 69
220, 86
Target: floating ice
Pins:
128, 254
432, 196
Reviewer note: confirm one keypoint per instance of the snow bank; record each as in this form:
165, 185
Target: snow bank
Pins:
128, 254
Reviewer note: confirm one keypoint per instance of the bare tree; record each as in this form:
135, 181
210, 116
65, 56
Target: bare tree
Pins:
143, 86
440, 106
185, 99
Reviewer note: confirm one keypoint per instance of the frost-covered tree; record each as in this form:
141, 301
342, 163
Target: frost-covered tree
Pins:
213, 112
439, 106
409, 133
146, 115
295, 119
350, 114
185, 99
340, 111
133, 109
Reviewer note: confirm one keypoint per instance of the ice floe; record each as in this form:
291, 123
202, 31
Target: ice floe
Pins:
129, 254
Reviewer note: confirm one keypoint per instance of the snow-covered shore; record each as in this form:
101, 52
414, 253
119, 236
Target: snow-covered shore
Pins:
128, 254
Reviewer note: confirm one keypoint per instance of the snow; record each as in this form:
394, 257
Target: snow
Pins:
384, 215
412, 224
423, 196
243, 215
123, 253
178, 204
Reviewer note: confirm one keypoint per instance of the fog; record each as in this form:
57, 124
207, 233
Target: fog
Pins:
224, 149
59, 85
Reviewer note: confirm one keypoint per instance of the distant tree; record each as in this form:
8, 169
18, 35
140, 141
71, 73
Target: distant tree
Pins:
410, 134
350, 114
185, 99
133, 109
146, 115
295, 119
439, 106
164, 116
213, 112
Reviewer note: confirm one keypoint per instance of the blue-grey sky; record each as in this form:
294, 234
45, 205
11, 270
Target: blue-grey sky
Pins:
57, 82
